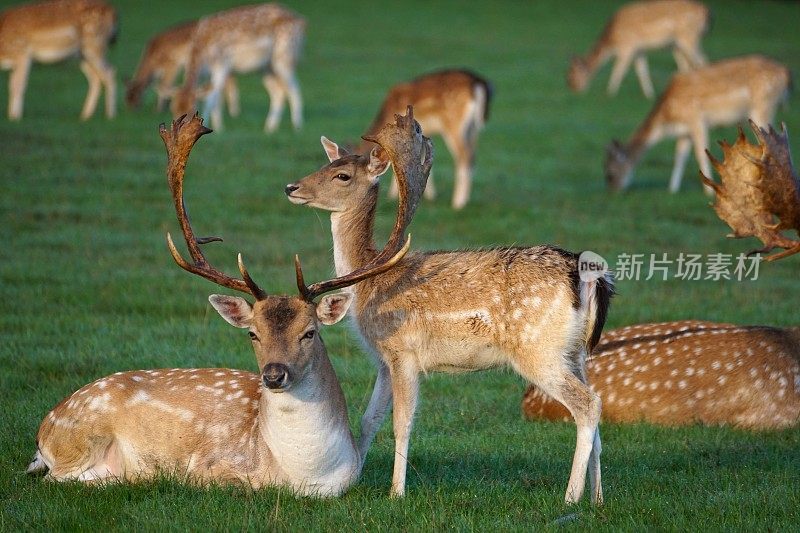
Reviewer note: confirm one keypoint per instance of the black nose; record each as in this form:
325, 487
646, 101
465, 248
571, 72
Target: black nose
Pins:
275, 376
291, 188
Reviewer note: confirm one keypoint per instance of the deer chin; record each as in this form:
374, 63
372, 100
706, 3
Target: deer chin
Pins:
299, 200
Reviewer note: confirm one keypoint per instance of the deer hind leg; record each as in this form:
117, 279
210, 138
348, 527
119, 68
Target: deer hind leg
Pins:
688, 55
642, 69
92, 95
94, 56
621, 65
378, 406
284, 58
213, 104
277, 101
463, 151
232, 96
405, 393
682, 148
165, 87
17, 83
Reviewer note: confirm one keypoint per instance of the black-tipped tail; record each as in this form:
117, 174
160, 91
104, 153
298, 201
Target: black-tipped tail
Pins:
604, 291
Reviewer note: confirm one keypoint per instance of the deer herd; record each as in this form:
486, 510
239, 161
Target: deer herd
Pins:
525, 307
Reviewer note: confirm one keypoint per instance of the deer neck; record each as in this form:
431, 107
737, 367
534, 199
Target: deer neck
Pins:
308, 434
352, 229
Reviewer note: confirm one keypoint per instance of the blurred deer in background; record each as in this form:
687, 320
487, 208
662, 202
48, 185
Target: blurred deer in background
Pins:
47, 32
688, 372
639, 27
163, 59
265, 38
285, 426
450, 103
759, 184
719, 94
456, 311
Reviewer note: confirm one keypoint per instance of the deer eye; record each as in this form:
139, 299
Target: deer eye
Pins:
308, 334
253, 336
342, 177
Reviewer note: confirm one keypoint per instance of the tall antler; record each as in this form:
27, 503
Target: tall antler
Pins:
411, 154
179, 142
759, 183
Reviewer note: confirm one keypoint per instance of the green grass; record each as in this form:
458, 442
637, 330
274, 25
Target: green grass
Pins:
87, 287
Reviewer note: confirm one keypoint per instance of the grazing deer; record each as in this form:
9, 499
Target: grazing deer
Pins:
48, 32
639, 27
456, 311
719, 94
164, 57
450, 103
686, 372
285, 426
263, 37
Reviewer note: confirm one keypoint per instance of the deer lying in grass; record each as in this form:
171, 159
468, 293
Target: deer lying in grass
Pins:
456, 311
637, 28
285, 426
686, 372
260, 38
450, 103
163, 59
47, 32
719, 94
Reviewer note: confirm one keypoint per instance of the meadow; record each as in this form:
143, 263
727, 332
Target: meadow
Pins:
88, 288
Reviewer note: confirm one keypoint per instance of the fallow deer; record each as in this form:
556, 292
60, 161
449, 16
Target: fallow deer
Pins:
456, 311
285, 426
163, 59
691, 371
637, 28
47, 32
266, 38
450, 103
719, 94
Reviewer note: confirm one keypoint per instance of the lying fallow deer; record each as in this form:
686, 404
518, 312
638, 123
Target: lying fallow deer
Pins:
719, 94
261, 38
450, 103
456, 311
163, 59
688, 372
285, 426
47, 32
639, 27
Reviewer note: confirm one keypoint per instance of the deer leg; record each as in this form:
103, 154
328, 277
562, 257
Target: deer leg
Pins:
285, 71
682, 148
700, 142
621, 65
90, 104
277, 101
688, 55
643, 73
379, 404
463, 156
213, 105
94, 55
17, 83
405, 393
165, 88
232, 96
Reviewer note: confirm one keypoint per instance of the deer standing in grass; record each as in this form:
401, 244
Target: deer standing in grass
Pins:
285, 426
456, 311
261, 38
637, 28
163, 59
719, 94
691, 371
450, 103
47, 32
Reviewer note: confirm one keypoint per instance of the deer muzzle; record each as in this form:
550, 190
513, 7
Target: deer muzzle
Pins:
276, 377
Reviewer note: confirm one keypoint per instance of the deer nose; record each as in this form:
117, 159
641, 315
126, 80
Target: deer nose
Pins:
291, 188
275, 376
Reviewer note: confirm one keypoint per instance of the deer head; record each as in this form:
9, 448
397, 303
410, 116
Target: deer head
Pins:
758, 185
578, 74
284, 330
618, 166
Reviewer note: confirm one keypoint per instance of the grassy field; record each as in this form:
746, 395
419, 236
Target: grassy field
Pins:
87, 287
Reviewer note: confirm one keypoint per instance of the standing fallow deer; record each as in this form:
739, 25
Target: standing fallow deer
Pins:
285, 426
639, 27
450, 103
688, 372
456, 311
262, 38
163, 59
719, 94
47, 32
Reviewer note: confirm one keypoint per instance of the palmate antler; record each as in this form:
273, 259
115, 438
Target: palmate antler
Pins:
759, 184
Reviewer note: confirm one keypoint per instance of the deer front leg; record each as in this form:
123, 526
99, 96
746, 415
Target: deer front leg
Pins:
17, 83
700, 142
213, 105
405, 392
90, 104
232, 96
682, 148
94, 56
643, 73
621, 66
277, 101
463, 155
379, 404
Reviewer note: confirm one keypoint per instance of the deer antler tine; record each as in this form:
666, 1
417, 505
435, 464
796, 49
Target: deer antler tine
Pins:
301, 284
176, 255
257, 291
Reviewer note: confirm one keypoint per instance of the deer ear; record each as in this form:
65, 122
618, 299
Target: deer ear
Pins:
378, 163
236, 311
332, 307
332, 149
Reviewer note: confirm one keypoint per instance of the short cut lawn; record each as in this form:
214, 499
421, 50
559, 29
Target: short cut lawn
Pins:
87, 287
